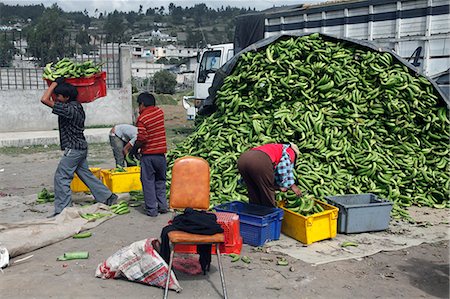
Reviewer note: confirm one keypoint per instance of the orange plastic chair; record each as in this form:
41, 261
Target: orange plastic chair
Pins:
190, 189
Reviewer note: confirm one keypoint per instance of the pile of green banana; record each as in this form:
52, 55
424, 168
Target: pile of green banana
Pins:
45, 196
120, 208
69, 69
363, 121
305, 205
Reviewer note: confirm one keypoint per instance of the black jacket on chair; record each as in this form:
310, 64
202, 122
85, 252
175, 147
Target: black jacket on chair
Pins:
194, 222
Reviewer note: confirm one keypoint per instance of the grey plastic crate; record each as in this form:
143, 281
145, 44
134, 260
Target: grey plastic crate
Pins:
361, 212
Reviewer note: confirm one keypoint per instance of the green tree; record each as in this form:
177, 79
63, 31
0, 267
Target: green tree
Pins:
194, 38
165, 82
114, 27
49, 39
83, 40
7, 51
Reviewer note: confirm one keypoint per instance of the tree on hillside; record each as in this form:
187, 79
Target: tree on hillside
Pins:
176, 14
194, 39
79, 18
150, 12
200, 14
12, 13
164, 82
83, 40
7, 51
48, 40
114, 27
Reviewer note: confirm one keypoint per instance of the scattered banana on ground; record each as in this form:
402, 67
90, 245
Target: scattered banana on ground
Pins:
120, 208
82, 235
94, 216
45, 196
282, 261
234, 257
246, 259
349, 243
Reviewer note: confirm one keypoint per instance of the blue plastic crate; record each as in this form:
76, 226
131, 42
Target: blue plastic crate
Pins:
258, 224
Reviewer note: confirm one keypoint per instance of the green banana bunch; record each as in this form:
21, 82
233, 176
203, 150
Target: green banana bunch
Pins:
45, 196
136, 195
363, 121
69, 69
120, 208
306, 205
136, 198
132, 161
118, 169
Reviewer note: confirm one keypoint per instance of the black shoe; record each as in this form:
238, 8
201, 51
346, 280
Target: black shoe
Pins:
163, 211
52, 215
153, 215
112, 199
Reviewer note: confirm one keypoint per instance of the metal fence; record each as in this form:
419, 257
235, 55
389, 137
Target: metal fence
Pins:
25, 71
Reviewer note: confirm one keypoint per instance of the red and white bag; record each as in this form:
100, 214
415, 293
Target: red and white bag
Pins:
138, 262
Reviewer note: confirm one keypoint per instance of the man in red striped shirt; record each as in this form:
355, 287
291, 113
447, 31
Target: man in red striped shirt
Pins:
151, 140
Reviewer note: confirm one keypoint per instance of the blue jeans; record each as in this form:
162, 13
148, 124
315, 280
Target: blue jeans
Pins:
153, 179
74, 161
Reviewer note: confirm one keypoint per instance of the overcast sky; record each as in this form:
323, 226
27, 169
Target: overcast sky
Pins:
133, 5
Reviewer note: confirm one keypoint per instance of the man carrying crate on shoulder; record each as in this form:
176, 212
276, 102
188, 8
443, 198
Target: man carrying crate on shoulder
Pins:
71, 119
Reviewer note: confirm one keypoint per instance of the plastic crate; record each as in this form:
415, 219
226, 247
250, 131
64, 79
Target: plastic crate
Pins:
77, 184
233, 239
258, 224
313, 228
121, 182
361, 212
89, 88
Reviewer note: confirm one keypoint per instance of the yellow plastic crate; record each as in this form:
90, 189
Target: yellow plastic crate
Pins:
121, 182
316, 227
78, 186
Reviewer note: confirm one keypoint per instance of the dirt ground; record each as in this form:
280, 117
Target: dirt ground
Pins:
416, 272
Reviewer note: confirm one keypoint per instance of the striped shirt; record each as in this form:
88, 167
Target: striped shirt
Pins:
151, 131
71, 125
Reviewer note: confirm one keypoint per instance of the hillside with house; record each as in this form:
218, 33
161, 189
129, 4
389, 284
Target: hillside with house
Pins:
161, 38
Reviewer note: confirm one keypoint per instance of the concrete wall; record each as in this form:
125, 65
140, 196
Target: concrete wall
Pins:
23, 111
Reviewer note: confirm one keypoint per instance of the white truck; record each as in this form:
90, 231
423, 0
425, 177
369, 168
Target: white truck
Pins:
209, 61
